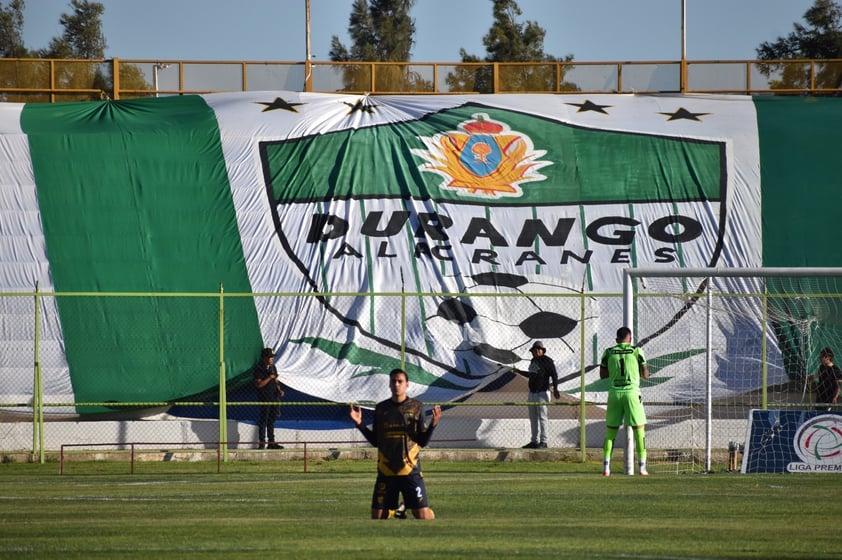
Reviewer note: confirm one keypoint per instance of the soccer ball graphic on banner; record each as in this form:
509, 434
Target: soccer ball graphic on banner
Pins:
501, 314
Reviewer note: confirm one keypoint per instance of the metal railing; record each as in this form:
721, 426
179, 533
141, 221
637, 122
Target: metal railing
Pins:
51, 80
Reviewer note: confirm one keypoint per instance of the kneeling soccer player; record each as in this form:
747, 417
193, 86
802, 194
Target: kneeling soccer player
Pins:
399, 432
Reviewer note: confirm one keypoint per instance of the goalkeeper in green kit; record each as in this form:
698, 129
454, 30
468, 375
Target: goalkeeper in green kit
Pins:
623, 365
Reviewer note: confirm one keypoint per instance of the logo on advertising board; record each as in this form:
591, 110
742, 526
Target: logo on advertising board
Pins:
818, 443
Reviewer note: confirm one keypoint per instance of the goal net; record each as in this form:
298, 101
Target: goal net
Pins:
721, 342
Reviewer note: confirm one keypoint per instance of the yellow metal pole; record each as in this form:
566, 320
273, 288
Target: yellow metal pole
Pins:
308, 64
403, 325
683, 69
38, 387
583, 433
372, 87
115, 71
223, 398
764, 363
495, 88
52, 80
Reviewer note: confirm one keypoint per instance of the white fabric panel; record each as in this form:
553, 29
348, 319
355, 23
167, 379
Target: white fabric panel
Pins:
23, 264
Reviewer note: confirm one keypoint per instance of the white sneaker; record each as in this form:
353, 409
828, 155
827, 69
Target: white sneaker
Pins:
606, 473
400, 513
644, 472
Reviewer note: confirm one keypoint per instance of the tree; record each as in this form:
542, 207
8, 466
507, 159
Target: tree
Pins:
11, 30
83, 37
15, 73
380, 31
509, 41
820, 39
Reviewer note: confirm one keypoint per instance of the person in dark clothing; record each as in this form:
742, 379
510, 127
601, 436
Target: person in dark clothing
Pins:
827, 380
269, 393
399, 432
541, 372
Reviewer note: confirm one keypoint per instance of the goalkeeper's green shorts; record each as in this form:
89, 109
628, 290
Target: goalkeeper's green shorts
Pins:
625, 405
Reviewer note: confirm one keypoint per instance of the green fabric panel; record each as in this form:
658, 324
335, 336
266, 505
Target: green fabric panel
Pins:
800, 177
588, 166
134, 197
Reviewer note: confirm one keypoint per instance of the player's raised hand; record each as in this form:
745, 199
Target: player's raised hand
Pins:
436, 415
356, 414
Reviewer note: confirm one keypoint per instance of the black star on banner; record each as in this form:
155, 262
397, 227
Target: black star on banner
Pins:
361, 106
588, 105
683, 113
279, 103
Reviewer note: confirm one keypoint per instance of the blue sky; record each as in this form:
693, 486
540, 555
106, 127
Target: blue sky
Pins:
274, 30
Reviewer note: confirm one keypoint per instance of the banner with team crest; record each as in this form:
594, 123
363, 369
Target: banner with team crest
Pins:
268, 192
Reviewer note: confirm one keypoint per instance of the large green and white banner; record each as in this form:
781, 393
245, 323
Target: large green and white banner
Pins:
266, 192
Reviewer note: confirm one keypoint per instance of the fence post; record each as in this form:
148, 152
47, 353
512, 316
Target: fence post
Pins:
403, 324
115, 72
629, 318
495, 80
583, 434
709, 374
38, 387
764, 398
223, 398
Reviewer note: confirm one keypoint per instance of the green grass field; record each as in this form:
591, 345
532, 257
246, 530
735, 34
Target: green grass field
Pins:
488, 509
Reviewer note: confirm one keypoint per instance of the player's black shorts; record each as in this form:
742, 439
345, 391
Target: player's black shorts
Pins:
387, 488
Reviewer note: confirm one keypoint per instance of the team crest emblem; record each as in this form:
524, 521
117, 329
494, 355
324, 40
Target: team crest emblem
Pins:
462, 202
484, 158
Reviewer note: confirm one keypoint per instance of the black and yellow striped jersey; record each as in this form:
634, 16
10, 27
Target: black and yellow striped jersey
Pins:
399, 432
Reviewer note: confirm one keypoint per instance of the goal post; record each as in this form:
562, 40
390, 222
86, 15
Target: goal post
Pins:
720, 342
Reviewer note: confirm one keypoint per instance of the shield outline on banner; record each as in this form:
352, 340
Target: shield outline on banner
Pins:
275, 202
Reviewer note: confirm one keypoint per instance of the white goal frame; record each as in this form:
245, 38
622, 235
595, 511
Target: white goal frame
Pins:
630, 274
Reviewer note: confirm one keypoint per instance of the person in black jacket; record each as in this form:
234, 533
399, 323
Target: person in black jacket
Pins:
827, 380
399, 432
541, 372
269, 393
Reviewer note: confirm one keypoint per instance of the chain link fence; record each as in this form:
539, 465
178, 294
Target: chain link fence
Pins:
97, 373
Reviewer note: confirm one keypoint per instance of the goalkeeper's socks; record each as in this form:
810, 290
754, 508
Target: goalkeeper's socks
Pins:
640, 445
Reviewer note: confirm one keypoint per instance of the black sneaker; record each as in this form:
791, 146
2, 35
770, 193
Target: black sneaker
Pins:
542, 446
274, 446
261, 446
530, 445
